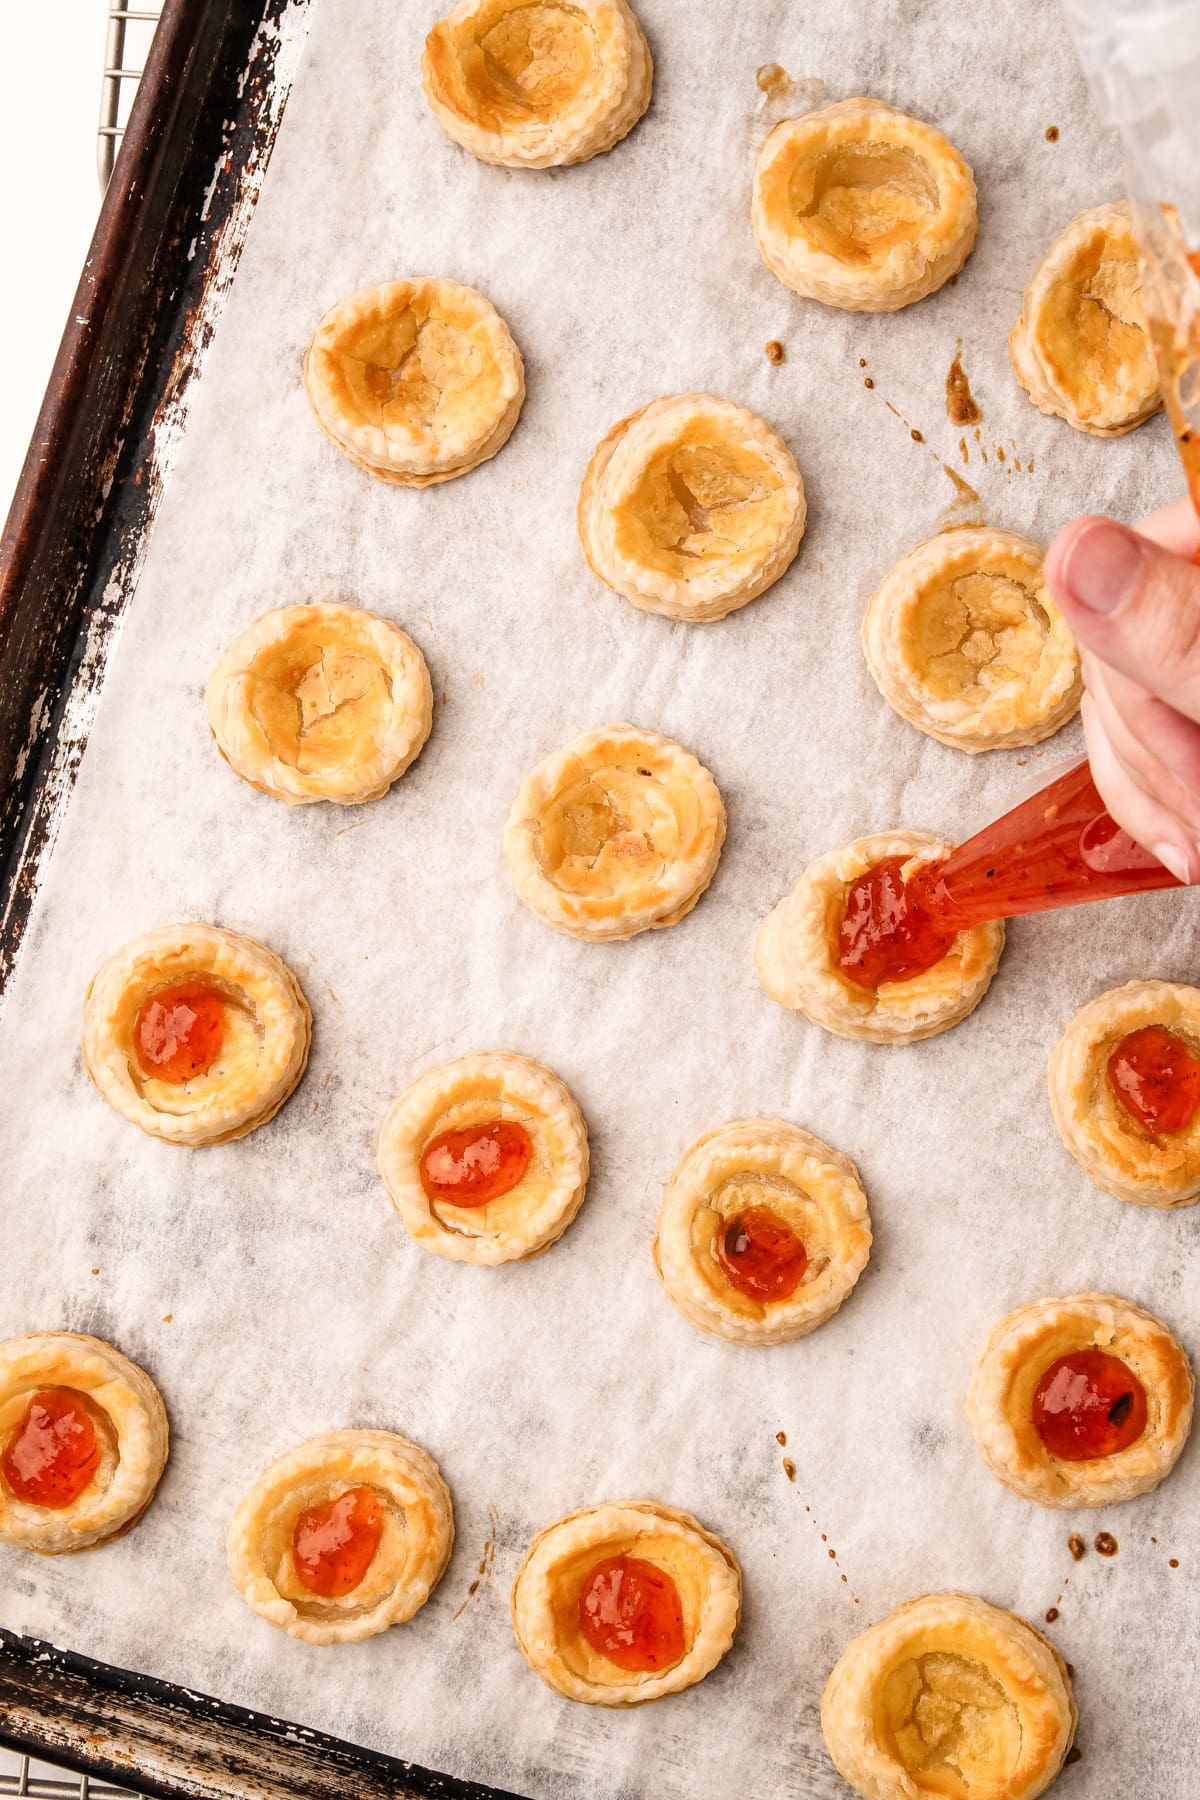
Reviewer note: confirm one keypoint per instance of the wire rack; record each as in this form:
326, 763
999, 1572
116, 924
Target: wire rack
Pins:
18, 1775
130, 29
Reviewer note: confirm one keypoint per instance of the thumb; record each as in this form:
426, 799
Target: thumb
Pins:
1133, 604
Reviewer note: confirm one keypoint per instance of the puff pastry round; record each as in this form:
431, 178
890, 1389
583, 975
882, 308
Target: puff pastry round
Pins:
127, 1415
534, 84
949, 1696
965, 642
323, 702
415, 1536
862, 207
691, 507
1018, 1353
546, 1593
616, 834
1106, 1140
1080, 347
767, 1165
265, 1026
796, 953
416, 381
478, 1091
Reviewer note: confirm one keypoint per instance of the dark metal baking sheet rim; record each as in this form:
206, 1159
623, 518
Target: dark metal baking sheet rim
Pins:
164, 251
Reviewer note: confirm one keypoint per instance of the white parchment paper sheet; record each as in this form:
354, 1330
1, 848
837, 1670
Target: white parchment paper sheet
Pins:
268, 1285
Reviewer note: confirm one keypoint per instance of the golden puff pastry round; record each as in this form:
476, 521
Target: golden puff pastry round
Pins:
1060, 1379
691, 507
1080, 348
534, 84
965, 642
1124, 1083
194, 1033
343, 1537
83, 1442
862, 207
949, 1696
796, 952
324, 702
485, 1158
622, 1603
618, 833
763, 1232
415, 381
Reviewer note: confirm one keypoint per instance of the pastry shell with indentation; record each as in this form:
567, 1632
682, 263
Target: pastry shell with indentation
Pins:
268, 1029
814, 1189
545, 1599
415, 381
952, 1696
414, 1545
531, 84
861, 206
130, 1420
795, 952
964, 641
691, 507
475, 1091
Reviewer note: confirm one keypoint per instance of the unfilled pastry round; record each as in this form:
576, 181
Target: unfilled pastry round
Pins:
1080, 347
415, 1537
691, 507
545, 1599
1018, 1353
616, 834
534, 84
1106, 1140
862, 207
949, 1696
796, 953
416, 381
324, 702
965, 642
478, 1091
127, 1415
768, 1165
266, 1030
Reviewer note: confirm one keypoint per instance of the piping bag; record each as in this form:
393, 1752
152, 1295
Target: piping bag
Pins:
1059, 846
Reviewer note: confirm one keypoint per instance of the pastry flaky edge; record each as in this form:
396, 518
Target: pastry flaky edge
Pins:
832, 1187
133, 1407
617, 465
592, 122
1016, 1655
614, 1529
1106, 1142
687, 876
794, 953
1031, 363
526, 1086
1022, 1346
402, 1474
245, 746
911, 271
1027, 708
176, 953
411, 464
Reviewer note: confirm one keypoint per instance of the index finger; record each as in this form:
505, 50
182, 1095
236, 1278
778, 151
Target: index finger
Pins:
1175, 527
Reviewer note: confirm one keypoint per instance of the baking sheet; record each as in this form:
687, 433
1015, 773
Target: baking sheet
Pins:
267, 1284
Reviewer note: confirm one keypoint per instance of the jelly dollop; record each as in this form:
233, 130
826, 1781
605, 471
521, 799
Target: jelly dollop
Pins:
760, 1254
54, 1451
333, 1543
1088, 1404
630, 1611
1156, 1079
481, 1163
886, 933
180, 1030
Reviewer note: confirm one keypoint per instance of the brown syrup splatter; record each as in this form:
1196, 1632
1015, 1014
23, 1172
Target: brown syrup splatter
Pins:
862, 362
915, 435
961, 407
1173, 1562
867, 382
486, 1561
774, 351
1051, 1614
781, 1439
168, 1318
964, 493
1106, 1544
773, 80
1000, 452
962, 445
1076, 1546
1052, 134
789, 1468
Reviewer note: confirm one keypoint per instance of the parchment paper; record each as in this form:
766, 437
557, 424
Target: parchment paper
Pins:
268, 1285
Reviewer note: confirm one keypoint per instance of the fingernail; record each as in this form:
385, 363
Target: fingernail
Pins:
1172, 857
1103, 566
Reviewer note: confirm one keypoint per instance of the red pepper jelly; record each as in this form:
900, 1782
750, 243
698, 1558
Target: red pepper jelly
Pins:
333, 1543
1156, 1079
179, 1031
630, 1612
54, 1452
471, 1167
886, 932
1089, 1404
760, 1254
